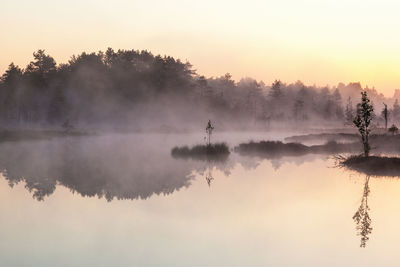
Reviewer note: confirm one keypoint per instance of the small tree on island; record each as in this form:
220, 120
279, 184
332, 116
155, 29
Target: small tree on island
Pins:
363, 120
393, 129
209, 130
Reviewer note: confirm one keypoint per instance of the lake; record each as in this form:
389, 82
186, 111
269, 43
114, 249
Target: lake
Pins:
123, 200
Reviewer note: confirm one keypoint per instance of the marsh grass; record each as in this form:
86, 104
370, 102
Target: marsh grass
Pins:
372, 165
272, 148
219, 151
279, 149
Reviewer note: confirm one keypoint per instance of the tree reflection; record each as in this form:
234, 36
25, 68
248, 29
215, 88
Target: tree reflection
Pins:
113, 168
361, 217
110, 167
209, 177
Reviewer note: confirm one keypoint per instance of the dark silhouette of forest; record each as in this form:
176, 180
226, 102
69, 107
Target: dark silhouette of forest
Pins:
136, 89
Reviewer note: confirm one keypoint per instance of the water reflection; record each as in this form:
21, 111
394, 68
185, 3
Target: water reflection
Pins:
361, 217
109, 167
252, 161
99, 168
118, 169
113, 167
209, 177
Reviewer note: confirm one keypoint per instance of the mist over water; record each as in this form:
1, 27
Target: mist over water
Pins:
126, 191
121, 166
195, 133
108, 158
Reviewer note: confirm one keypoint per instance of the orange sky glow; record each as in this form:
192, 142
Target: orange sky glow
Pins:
317, 42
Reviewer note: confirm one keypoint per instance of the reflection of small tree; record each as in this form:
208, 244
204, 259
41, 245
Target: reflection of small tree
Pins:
361, 217
209, 130
209, 177
363, 119
393, 129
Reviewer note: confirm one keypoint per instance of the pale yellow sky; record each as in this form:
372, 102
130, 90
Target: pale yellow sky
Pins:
318, 42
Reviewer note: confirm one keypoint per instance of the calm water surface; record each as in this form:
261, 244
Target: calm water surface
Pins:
122, 200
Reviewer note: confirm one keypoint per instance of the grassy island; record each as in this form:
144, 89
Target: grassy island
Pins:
373, 165
217, 151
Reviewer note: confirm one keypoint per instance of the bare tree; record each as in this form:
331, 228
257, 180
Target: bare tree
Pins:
209, 131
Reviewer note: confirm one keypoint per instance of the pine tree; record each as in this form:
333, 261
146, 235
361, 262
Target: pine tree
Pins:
349, 112
363, 120
385, 115
396, 110
276, 91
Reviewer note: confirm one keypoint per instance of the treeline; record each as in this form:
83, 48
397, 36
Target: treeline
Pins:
136, 89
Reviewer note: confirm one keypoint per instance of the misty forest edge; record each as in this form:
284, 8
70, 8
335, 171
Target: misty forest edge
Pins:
137, 90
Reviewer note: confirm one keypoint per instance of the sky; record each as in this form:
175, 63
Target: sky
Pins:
315, 41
